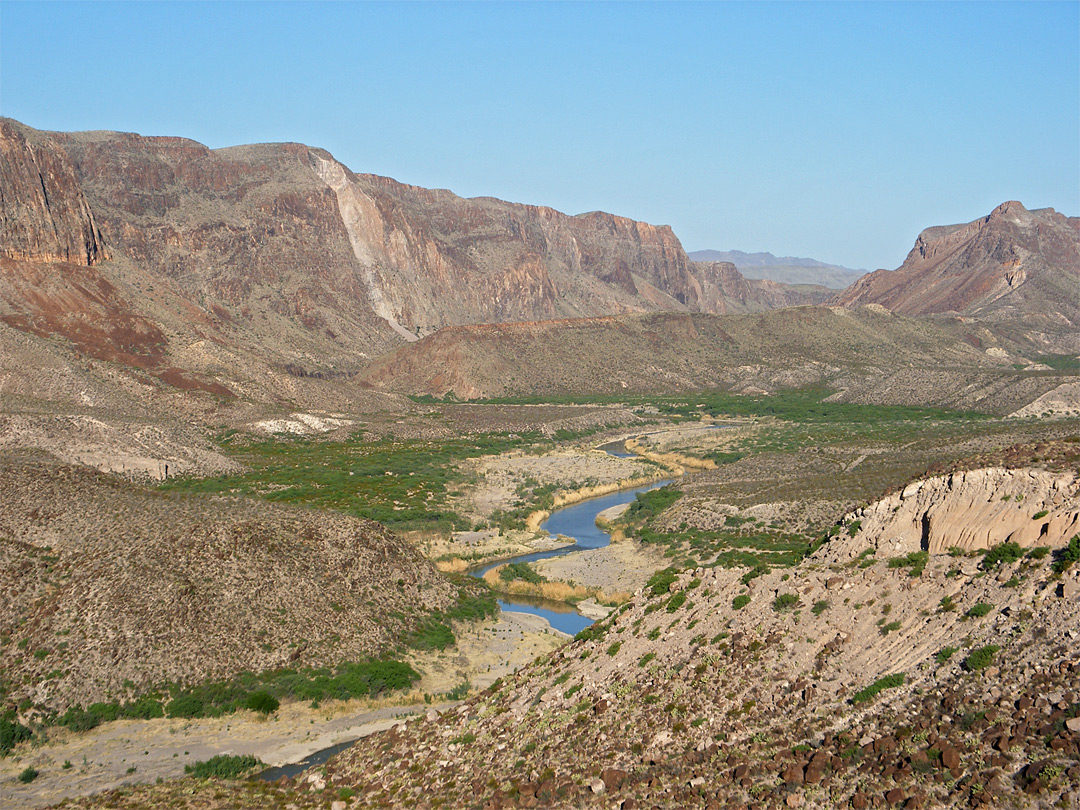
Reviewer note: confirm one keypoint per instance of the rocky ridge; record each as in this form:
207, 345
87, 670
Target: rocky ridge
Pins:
1013, 266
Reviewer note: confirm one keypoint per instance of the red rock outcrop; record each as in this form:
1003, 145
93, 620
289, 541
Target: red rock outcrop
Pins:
1011, 263
44, 215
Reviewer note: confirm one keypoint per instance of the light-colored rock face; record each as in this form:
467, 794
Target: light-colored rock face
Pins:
971, 510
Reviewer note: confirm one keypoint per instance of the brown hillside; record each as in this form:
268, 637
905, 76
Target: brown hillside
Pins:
1011, 264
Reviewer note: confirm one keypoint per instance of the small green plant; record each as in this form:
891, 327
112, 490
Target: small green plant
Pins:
820, 607
676, 601
1068, 555
945, 653
28, 775
653, 634
645, 659
785, 601
1007, 553
67, 765
979, 610
888, 682
262, 702
740, 601
224, 766
947, 604
660, 581
614, 648
888, 628
1038, 552
981, 658
1040, 514
915, 562
464, 739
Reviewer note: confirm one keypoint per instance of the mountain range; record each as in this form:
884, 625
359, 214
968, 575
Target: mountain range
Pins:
783, 269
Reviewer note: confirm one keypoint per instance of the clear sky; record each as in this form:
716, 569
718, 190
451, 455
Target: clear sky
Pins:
831, 130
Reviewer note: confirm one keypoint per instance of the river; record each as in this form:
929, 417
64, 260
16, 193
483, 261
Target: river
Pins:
578, 522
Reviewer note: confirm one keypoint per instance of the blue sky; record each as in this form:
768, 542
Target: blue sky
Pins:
831, 130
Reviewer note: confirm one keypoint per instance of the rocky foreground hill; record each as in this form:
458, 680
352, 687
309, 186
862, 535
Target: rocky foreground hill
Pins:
876, 673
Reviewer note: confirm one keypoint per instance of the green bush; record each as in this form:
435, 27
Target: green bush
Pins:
186, 705
12, 733
29, 775
740, 601
660, 581
981, 658
888, 682
1068, 555
614, 648
1002, 553
820, 607
944, 654
224, 766
979, 610
676, 601
885, 629
915, 562
522, 571
262, 702
785, 601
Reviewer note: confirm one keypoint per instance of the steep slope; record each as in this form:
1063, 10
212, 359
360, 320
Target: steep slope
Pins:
869, 354
1012, 265
714, 689
107, 589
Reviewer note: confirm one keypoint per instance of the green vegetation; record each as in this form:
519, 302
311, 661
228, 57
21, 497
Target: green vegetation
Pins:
915, 562
660, 581
981, 658
28, 775
647, 505
979, 610
11, 733
224, 766
522, 571
885, 629
404, 484
614, 648
1007, 553
945, 653
888, 682
785, 601
740, 601
676, 601
820, 607
262, 702
1068, 556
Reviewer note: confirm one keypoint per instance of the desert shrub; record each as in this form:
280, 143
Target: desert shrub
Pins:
28, 775
1040, 514
979, 610
1038, 552
981, 658
754, 573
1002, 553
947, 604
646, 658
785, 601
1068, 555
944, 654
676, 601
740, 601
12, 733
262, 702
660, 581
145, 708
915, 562
224, 766
432, 634
820, 607
79, 719
595, 630
459, 692
885, 629
888, 682
186, 704
614, 648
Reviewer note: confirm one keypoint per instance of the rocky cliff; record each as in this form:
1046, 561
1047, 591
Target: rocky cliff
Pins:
725, 289
1012, 264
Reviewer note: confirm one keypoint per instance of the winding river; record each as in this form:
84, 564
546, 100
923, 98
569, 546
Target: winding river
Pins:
577, 521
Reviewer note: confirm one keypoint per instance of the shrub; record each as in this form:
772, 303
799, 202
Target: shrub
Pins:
888, 628
1068, 555
740, 601
522, 571
754, 573
224, 766
820, 607
660, 581
1038, 552
262, 702
28, 775
888, 682
981, 658
646, 658
979, 610
785, 601
915, 562
11, 734
1002, 553
1040, 514
947, 604
614, 648
676, 601
185, 704
944, 654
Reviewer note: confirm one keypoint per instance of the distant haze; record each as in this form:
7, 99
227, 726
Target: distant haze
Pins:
785, 269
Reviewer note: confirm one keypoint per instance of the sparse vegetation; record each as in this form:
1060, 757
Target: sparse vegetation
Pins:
785, 602
981, 658
740, 601
1006, 553
871, 691
224, 766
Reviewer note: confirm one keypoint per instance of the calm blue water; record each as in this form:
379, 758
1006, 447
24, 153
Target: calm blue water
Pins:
579, 522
